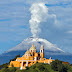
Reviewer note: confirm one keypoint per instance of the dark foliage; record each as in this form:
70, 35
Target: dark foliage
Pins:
41, 68
34, 67
70, 64
58, 66
27, 68
5, 70
4, 65
13, 69
35, 70
46, 70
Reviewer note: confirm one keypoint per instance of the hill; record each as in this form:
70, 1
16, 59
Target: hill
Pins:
55, 66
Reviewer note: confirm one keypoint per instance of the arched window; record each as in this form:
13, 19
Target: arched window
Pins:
41, 51
31, 50
33, 53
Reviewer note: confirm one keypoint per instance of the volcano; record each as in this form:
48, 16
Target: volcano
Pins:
49, 49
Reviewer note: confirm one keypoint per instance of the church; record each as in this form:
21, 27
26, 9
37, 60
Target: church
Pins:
30, 57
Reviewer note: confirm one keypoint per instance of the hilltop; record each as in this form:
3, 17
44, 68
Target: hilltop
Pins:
55, 66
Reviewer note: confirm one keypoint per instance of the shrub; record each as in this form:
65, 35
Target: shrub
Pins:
41, 67
70, 64
34, 67
35, 70
58, 66
46, 70
27, 68
4, 66
5, 70
13, 69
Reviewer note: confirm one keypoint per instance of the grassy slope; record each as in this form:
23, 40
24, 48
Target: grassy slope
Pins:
38, 67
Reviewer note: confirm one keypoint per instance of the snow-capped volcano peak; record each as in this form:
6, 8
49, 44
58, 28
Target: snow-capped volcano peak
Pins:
49, 47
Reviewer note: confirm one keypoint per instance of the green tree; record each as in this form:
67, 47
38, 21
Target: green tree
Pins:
70, 64
34, 67
34, 70
46, 70
41, 67
27, 68
58, 66
5, 70
4, 66
12, 69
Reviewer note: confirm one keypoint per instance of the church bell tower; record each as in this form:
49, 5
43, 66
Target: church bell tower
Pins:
42, 51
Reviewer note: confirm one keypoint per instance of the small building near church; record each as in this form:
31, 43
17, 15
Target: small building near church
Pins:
31, 57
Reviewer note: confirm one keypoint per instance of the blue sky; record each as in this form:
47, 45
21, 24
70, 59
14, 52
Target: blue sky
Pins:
15, 27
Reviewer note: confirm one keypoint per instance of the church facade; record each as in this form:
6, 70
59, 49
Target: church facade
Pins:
31, 57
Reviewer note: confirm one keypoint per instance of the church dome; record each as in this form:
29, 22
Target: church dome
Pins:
27, 52
33, 47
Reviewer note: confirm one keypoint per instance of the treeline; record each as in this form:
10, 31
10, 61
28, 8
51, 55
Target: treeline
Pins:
55, 66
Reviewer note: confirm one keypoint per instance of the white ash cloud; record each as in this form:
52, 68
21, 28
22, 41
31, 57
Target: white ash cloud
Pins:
39, 15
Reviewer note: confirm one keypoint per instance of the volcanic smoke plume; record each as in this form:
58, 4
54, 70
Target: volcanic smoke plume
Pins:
39, 13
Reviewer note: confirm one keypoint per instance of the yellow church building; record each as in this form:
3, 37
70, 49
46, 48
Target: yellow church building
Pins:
31, 57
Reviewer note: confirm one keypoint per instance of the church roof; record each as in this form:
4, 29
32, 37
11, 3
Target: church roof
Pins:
27, 52
33, 47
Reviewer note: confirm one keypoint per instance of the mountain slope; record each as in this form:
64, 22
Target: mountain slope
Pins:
49, 47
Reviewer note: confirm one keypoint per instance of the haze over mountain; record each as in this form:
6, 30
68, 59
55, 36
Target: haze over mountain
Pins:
48, 47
